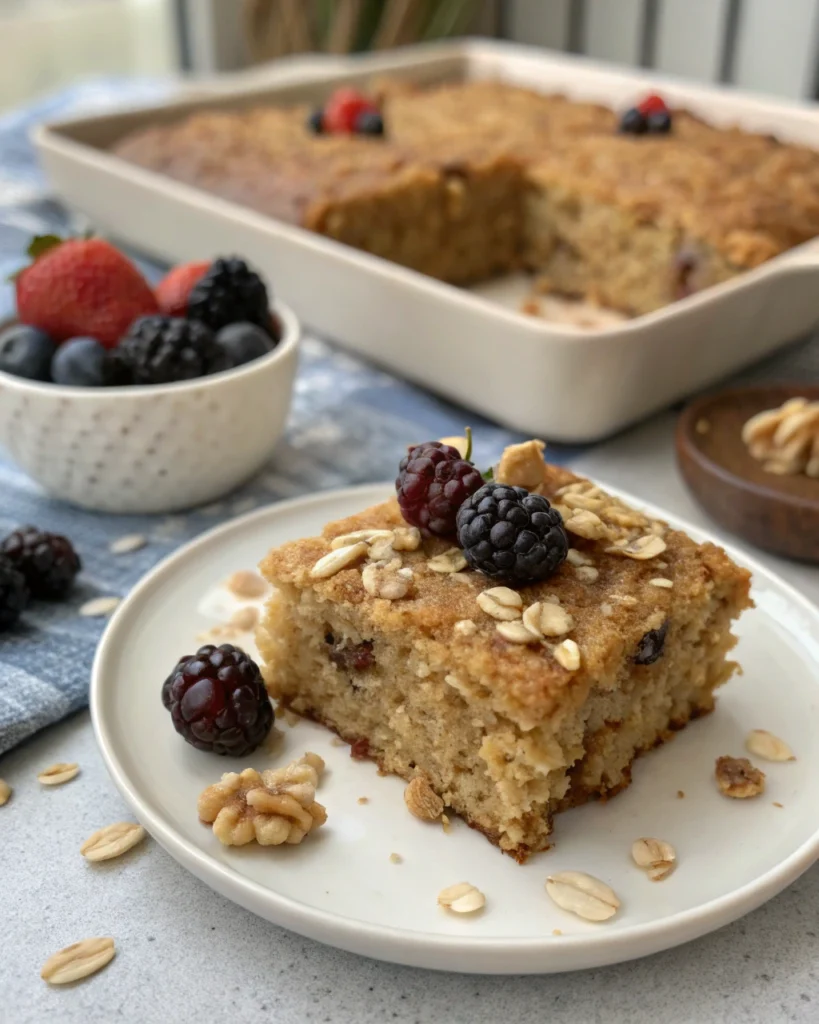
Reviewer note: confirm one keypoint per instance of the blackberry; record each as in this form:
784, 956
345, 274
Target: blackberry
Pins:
650, 647
369, 122
164, 349
633, 122
434, 480
218, 701
47, 560
511, 534
13, 593
230, 292
659, 122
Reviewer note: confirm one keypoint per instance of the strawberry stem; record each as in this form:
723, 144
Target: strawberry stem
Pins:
468, 435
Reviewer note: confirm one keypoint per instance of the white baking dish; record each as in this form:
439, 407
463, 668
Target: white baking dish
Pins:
555, 380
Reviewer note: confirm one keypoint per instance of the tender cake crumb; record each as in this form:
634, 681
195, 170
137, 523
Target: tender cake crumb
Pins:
363, 799
396, 858
776, 803
522, 465
273, 807
446, 824
465, 627
245, 619
680, 794
556, 931
244, 583
738, 778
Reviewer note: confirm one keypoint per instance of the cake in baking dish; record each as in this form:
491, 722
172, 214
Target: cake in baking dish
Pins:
512, 704
474, 179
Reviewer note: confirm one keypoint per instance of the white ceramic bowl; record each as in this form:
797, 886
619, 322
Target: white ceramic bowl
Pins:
155, 448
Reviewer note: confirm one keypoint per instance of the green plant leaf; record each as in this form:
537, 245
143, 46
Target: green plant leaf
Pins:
489, 475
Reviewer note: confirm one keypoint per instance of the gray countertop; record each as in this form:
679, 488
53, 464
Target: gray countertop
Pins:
186, 954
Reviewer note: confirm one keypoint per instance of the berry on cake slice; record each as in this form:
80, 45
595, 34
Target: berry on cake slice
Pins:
173, 291
81, 287
652, 104
433, 481
511, 534
48, 561
218, 701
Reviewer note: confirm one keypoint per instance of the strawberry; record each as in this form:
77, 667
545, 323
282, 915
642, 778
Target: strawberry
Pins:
342, 110
81, 287
652, 104
173, 290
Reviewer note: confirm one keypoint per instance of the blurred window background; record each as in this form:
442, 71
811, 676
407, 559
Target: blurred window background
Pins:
765, 45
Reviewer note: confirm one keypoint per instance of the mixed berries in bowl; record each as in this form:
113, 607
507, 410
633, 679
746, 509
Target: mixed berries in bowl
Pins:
124, 398
88, 318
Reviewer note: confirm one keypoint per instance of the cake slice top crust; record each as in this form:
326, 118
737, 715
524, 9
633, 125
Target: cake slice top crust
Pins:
623, 609
748, 195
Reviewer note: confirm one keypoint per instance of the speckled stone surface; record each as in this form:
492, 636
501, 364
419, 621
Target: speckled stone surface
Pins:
186, 954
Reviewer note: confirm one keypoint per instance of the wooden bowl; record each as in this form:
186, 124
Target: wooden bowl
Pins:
777, 513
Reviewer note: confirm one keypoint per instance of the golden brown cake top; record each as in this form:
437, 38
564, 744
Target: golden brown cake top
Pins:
613, 600
748, 195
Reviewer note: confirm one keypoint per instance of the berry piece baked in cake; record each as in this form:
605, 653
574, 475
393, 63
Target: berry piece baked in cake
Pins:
519, 666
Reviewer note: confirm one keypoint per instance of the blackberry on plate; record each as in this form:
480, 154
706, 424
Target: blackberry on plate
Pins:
48, 561
659, 122
218, 701
164, 349
511, 534
13, 593
228, 293
433, 481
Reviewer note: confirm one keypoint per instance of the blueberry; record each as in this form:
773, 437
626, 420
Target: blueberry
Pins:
650, 646
315, 122
369, 122
26, 352
243, 342
659, 123
633, 122
79, 362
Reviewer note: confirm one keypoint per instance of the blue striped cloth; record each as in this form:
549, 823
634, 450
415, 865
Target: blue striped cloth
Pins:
350, 423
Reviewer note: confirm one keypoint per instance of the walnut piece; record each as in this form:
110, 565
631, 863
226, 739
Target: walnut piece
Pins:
522, 465
422, 801
274, 807
737, 778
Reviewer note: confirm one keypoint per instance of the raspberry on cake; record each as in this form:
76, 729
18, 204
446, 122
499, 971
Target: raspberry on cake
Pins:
512, 704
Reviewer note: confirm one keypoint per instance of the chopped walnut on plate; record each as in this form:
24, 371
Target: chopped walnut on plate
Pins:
273, 807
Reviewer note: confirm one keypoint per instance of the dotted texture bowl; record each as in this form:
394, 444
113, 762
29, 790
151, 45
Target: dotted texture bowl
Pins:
151, 449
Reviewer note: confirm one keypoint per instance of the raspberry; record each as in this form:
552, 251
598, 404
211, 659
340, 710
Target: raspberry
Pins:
228, 293
13, 593
511, 534
342, 110
163, 349
434, 480
47, 560
652, 104
173, 290
218, 701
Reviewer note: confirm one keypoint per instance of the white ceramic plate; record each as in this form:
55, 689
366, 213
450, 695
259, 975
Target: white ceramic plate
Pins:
340, 886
